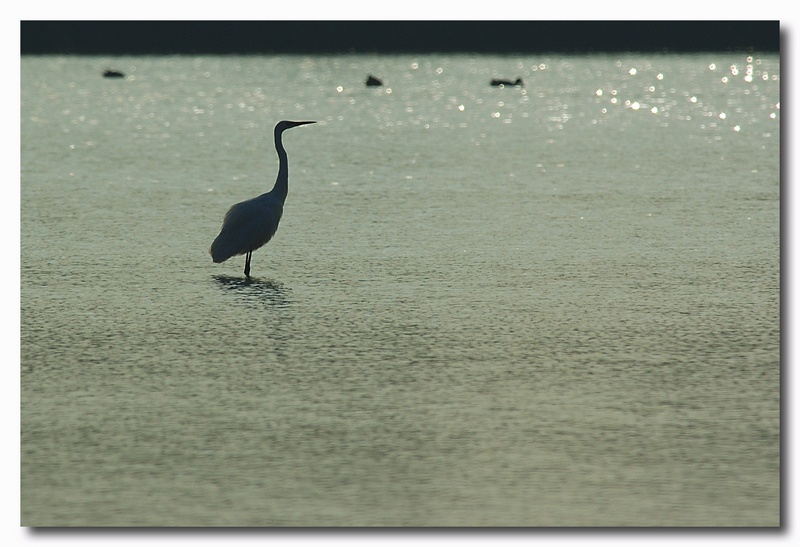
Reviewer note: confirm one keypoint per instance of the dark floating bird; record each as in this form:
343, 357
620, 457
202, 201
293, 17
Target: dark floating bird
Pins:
373, 81
497, 82
251, 224
110, 73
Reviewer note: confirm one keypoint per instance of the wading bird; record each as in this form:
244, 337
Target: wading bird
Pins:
250, 224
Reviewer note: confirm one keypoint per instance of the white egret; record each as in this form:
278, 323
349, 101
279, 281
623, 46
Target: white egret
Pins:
250, 224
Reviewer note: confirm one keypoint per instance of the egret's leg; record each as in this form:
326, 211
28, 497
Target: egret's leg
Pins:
247, 264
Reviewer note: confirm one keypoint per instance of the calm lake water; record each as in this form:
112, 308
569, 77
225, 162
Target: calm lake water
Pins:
549, 305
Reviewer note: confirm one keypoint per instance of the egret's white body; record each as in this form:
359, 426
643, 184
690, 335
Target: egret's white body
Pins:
250, 224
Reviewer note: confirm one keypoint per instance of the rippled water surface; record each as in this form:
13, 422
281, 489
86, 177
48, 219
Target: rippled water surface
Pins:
549, 305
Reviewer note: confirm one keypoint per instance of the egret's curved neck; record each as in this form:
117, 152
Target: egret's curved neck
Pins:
281, 188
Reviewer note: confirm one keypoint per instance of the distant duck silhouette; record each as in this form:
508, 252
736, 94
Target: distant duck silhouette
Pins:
502, 83
373, 81
109, 73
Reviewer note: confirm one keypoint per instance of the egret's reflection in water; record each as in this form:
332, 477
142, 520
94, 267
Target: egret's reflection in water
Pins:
253, 290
